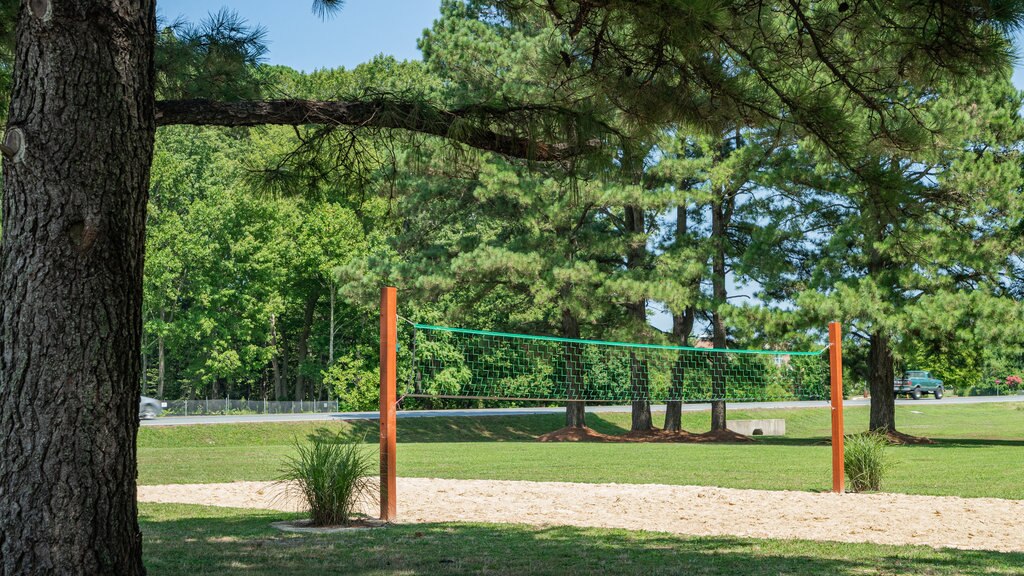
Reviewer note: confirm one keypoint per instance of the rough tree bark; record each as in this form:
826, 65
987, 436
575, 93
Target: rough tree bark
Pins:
641, 420
635, 229
721, 214
881, 373
575, 411
379, 113
881, 364
682, 327
81, 130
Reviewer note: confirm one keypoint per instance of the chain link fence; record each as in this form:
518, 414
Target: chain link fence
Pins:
209, 406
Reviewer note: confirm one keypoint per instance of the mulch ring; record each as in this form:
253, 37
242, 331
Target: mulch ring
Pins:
722, 436
574, 434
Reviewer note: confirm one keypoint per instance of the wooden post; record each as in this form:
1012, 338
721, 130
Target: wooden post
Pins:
835, 361
388, 362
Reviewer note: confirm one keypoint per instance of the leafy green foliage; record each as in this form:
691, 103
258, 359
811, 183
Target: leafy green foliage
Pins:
228, 270
354, 382
909, 248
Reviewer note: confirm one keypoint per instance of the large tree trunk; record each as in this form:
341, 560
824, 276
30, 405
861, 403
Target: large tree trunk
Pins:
881, 373
575, 411
81, 128
720, 215
303, 346
682, 326
881, 369
636, 258
639, 386
640, 389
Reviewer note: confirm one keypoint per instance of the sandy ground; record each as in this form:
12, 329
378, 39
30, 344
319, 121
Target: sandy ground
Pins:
939, 521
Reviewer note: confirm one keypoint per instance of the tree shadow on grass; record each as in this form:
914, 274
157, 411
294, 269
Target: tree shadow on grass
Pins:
936, 442
476, 429
972, 443
188, 540
528, 428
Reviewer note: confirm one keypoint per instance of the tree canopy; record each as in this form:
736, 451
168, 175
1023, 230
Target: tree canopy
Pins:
556, 167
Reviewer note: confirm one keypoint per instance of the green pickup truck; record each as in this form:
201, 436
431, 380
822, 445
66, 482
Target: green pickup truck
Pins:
917, 382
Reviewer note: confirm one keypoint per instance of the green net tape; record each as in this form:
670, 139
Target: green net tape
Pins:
461, 363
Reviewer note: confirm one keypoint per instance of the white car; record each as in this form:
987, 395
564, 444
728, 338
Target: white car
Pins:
149, 408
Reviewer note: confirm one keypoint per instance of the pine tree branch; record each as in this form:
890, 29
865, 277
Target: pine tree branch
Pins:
464, 126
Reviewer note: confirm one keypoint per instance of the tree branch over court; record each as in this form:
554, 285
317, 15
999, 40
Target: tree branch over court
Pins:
466, 125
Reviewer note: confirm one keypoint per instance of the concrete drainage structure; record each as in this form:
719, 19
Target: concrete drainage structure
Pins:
768, 427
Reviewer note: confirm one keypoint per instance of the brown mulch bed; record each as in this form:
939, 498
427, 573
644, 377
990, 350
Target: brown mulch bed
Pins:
722, 436
656, 435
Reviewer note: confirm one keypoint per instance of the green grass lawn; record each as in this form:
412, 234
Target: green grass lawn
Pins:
979, 451
188, 540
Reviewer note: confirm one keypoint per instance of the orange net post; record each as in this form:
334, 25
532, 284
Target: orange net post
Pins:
835, 361
388, 364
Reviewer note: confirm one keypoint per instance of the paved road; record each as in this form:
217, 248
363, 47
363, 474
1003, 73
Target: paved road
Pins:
245, 418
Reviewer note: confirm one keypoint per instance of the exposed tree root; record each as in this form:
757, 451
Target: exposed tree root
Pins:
900, 438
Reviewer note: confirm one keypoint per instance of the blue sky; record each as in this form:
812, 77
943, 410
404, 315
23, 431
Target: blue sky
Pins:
298, 38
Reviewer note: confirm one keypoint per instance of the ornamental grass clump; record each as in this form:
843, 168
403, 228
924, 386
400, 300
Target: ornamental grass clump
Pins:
866, 461
332, 474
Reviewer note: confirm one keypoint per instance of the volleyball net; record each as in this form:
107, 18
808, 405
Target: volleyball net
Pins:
459, 363
476, 364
